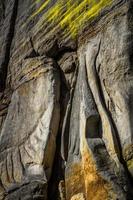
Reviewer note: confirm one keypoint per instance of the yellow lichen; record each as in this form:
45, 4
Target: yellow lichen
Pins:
130, 164
71, 15
74, 180
41, 8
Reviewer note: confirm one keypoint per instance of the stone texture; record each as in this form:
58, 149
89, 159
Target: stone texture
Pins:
66, 100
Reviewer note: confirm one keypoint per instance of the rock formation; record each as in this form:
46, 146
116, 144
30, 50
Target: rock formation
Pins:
66, 100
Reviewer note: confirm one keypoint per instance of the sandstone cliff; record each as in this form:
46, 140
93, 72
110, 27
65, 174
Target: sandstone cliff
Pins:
66, 99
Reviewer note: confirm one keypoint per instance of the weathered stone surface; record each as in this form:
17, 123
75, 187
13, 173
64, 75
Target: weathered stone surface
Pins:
66, 91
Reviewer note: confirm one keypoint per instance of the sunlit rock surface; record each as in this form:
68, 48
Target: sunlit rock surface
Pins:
66, 100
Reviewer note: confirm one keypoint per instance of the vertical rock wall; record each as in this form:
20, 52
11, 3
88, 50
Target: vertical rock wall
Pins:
66, 100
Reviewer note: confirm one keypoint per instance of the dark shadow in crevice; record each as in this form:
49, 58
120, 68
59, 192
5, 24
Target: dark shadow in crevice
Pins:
33, 53
58, 170
10, 35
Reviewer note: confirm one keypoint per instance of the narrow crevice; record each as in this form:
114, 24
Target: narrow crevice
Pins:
12, 167
58, 164
58, 172
33, 53
21, 162
6, 168
9, 38
66, 127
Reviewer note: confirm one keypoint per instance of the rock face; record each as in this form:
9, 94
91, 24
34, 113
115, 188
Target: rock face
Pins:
66, 100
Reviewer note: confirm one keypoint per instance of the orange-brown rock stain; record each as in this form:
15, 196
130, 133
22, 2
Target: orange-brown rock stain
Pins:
83, 181
96, 188
74, 181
